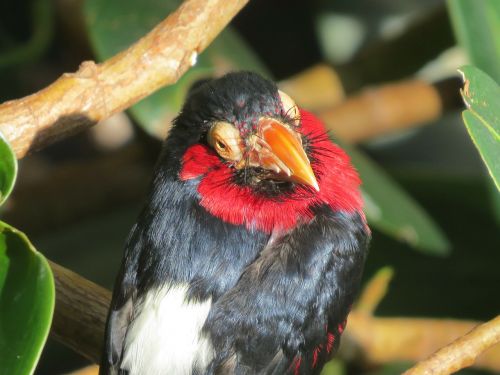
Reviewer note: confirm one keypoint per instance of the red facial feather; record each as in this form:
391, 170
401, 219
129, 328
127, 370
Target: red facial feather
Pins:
338, 182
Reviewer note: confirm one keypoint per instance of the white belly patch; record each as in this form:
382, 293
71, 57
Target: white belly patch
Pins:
165, 335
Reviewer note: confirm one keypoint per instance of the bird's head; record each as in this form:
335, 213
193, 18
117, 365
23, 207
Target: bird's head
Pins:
252, 150
253, 128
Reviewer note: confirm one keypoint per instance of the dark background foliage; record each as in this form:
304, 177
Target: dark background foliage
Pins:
77, 199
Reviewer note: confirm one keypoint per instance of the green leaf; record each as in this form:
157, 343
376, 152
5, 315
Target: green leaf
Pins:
113, 25
482, 118
26, 300
477, 27
391, 210
334, 367
487, 143
8, 169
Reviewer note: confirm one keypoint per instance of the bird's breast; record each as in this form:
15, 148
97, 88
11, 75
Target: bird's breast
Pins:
165, 334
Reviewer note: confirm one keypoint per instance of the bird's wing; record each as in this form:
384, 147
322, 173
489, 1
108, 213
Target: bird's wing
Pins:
119, 318
287, 311
121, 309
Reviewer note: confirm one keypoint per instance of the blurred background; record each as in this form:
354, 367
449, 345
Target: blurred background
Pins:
383, 76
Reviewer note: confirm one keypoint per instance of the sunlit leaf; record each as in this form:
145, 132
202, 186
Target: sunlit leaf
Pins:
26, 302
8, 169
482, 118
114, 25
391, 210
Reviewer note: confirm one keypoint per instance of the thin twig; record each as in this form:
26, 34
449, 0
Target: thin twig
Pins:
377, 341
461, 353
374, 291
96, 91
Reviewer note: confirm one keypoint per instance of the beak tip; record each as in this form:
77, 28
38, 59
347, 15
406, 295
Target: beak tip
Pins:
308, 179
314, 184
287, 149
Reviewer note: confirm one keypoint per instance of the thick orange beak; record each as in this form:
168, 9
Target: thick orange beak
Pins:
281, 151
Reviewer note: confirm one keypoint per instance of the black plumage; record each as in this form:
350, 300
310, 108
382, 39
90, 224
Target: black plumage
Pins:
279, 300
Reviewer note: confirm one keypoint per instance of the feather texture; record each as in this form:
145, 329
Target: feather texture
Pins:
223, 277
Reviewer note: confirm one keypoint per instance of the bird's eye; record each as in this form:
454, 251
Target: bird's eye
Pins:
220, 145
226, 141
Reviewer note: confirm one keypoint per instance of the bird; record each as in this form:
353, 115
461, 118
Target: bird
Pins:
249, 250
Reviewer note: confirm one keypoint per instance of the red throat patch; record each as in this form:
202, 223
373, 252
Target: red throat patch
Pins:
240, 205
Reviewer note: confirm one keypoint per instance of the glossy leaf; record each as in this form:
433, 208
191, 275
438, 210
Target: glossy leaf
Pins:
8, 169
391, 210
482, 118
26, 302
115, 24
477, 27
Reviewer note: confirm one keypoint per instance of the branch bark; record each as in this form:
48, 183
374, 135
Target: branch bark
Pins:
382, 340
461, 353
96, 91
375, 111
315, 89
390, 108
80, 313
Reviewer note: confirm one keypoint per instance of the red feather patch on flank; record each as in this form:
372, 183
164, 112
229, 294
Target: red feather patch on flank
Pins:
315, 355
297, 361
338, 182
330, 340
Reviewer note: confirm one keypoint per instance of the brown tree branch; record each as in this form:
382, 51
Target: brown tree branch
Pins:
88, 370
96, 91
77, 101
375, 111
80, 313
390, 108
376, 340
462, 352
316, 88
380, 340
